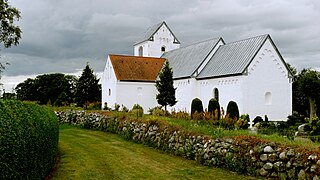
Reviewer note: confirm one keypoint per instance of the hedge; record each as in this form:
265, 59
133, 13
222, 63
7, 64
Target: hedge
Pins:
29, 136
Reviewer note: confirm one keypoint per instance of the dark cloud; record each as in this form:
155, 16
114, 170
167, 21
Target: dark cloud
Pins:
62, 35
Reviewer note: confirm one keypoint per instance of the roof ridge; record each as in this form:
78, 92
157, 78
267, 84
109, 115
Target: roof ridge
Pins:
135, 56
246, 39
184, 47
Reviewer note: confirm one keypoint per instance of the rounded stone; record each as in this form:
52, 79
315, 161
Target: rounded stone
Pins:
272, 157
268, 166
283, 156
268, 149
313, 157
263, 157
302, 175
263, 172
290, 153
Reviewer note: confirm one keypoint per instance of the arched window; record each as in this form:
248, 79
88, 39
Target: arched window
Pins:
109, 92
140, 51
163, 49
268, 98
216, 94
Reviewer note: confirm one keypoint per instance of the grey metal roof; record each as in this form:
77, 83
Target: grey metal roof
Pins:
186, 60
233, 58
152, 30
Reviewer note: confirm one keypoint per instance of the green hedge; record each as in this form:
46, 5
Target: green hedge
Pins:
29, 136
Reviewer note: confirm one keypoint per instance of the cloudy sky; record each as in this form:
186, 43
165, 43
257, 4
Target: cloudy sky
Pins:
62, 35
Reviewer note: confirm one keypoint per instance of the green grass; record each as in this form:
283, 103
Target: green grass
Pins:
87, 154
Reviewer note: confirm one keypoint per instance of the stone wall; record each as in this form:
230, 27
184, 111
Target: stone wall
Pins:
244, 155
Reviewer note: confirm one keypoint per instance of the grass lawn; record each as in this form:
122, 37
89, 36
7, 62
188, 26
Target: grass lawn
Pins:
87, 154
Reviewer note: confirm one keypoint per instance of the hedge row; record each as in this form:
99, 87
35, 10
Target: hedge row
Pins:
29, 136
244, 154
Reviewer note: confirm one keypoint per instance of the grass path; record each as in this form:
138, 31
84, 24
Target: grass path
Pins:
87, 154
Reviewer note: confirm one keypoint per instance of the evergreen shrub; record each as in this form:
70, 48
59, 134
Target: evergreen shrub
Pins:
29, 135
196, 106
213, 107
233, 110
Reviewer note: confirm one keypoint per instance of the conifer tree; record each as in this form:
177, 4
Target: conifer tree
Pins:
165, 87
87, 89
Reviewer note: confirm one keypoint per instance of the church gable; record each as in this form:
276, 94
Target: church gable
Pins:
135, 68
151, 31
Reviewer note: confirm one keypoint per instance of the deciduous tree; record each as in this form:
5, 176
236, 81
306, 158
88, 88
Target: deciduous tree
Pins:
10, 33
308, 82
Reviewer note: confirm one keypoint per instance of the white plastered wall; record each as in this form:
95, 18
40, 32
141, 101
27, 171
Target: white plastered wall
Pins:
142, 93
267, 87
109, 87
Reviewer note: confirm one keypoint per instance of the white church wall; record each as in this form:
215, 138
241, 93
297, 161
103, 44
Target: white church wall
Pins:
162, 38
267, 88
142, 93
108, 83
229, 89
186, 91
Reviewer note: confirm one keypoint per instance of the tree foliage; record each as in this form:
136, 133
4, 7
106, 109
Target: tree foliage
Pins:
10, 33
54, 89
87, 88
306, 89
165, 87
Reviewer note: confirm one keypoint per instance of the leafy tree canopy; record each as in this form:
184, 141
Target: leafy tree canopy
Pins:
9, 32
307, 84
54, 89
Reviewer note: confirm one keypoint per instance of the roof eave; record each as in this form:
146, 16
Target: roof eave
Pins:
220, 76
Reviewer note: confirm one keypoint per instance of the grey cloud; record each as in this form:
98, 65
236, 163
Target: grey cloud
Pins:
62, 35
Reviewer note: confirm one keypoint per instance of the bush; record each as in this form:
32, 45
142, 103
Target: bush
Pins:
92, 106
137, 110
157, 111
257, 120
213, 107
196, 106
242, 123
29, 136
233, 110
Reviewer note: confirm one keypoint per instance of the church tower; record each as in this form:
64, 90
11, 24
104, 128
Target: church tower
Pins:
155, 41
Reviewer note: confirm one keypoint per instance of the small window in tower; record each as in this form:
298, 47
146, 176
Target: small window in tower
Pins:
163, 49
109, 92
140, 51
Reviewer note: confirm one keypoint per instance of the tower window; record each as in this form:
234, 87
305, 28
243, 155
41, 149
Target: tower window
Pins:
163, 49
109, 92
140, 51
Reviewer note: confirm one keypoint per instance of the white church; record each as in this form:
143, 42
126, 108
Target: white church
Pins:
250, 72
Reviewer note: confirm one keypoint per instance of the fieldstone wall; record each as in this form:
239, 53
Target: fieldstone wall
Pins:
244, 155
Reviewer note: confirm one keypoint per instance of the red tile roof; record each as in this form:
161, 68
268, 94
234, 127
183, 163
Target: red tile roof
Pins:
136, 68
